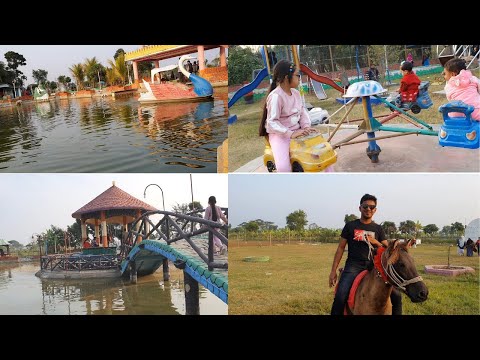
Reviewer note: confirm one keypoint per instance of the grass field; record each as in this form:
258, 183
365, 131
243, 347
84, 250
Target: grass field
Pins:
245, 144
295, 281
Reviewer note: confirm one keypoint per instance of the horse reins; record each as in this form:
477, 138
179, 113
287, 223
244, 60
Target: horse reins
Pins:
394, 277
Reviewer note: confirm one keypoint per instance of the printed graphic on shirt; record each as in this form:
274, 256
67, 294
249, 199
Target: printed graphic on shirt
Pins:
361, 235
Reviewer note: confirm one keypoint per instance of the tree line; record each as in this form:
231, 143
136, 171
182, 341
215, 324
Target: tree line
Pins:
297, 221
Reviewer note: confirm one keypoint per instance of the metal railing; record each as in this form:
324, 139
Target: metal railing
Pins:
79, 263
173, 227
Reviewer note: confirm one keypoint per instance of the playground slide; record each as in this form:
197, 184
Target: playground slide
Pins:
320, 78
318, 89
248, 88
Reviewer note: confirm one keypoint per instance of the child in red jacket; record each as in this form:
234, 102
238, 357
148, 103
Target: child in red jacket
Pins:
409, 84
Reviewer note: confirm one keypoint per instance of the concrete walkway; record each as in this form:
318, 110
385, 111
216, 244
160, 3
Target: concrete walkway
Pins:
410, 153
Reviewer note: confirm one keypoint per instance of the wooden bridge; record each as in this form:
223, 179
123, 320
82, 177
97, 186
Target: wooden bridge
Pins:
178, 238
185, 240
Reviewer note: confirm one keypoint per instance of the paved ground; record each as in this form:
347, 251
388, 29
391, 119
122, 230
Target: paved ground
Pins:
202, 243
410, 153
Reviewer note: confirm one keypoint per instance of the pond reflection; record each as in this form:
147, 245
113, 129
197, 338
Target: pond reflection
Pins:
106, 135
21, 292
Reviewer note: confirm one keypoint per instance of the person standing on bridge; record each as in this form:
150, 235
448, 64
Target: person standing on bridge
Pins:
361, 235
214, 213
284, 115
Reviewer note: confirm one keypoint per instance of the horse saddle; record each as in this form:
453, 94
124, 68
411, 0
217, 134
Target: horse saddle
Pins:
353, 290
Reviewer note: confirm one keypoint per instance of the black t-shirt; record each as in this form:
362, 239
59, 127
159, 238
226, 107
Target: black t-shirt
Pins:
355, 233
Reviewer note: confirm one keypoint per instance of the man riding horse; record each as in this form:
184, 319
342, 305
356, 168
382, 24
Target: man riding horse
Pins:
362, 236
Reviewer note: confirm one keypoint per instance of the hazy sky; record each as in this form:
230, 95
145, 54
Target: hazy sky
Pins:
30, 203
439, 199
56, 59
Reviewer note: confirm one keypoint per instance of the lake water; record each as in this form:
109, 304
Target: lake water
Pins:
106, 135
22, 293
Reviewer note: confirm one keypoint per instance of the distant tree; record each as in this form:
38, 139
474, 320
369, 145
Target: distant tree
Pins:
6, 76
241, 63
118, 53
297, 220
52, 85
78, 73
119, 68
196, 205
430, 229
252, 226
389, 228
313, 226
144, 68
94, 71
40, 76
458, 228
76, 233
446, 230
14, 60
15, 245
418, 228
349, 218
407, 227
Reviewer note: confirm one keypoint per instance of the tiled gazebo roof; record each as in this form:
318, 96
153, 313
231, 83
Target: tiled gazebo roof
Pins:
113, 198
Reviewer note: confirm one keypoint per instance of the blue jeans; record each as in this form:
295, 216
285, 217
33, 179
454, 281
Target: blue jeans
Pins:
352, 269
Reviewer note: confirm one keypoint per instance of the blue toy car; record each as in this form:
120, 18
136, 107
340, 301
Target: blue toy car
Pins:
423, 100
459, 131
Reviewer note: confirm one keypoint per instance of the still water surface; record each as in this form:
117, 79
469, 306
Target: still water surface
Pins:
106, 135
22, 293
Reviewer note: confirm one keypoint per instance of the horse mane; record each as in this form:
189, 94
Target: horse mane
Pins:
394, 251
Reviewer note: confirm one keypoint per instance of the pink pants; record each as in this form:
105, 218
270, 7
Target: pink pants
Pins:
281, 153
218, 243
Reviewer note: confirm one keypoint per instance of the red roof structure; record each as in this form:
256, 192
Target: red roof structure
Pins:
116, 203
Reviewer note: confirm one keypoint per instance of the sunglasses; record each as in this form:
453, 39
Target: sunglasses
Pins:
372, 207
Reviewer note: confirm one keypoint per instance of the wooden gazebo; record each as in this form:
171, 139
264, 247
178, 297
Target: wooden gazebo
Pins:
113, 206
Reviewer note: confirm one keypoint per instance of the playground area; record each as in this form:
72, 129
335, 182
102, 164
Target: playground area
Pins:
295, 280
420, 151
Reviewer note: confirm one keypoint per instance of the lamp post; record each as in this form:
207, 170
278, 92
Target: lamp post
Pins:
14, 91
145, 194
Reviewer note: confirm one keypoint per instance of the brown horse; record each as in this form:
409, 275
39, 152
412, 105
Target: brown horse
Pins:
393, 266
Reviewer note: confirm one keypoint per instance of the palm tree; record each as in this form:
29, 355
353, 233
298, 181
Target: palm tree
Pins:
111, 76
120, 68
418, 228
92, 69
79, 74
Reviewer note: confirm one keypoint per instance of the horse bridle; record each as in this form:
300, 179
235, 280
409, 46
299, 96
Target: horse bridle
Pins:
394, 276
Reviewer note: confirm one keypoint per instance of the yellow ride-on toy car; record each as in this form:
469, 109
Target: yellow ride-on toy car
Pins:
311, 153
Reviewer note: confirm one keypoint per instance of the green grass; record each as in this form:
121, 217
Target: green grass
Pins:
295, 281
245, 144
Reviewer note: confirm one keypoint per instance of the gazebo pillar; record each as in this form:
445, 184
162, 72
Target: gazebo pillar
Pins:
156, 64
138, 214
135, 72
84, 231
201, 57
125, 226
97, 232
104, 228
223, 57
147, 228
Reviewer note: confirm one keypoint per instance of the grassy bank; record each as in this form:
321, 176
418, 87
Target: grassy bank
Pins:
295, 281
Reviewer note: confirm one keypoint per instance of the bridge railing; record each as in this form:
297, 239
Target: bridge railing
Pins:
79, 263
173, 227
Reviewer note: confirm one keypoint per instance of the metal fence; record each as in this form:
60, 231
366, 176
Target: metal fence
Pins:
333, 60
